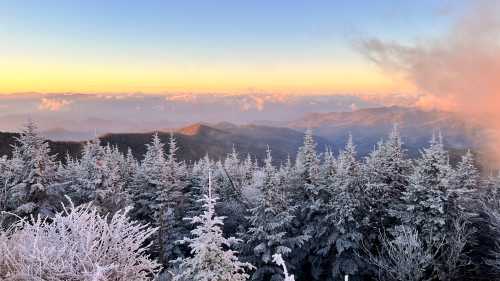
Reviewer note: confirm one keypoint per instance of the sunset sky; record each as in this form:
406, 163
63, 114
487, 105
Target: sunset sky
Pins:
207, 46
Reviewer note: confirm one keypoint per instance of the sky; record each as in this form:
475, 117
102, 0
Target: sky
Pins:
219, 46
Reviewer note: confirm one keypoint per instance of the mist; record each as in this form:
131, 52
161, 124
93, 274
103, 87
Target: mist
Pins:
459, 72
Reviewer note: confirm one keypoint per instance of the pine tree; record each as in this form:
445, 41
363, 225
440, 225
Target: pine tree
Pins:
270, 223
212, 259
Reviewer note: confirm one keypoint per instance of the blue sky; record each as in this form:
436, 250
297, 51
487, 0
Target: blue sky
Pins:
195, 36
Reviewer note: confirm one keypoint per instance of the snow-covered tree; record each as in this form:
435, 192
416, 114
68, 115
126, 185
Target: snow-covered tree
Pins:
467, 176
453, 258
212, 259
270, 225
112, 194
338, 234
425, 199
406, 257
31, 189
171, 205
148, 180
307, 163
198, 183
233, 176
157, 192
386, 171
101, 175
464, 185
6, 176
77, 244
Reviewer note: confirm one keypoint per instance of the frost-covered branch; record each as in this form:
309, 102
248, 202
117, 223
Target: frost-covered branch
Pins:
77, 244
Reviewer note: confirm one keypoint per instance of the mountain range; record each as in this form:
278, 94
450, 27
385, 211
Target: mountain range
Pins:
367, 127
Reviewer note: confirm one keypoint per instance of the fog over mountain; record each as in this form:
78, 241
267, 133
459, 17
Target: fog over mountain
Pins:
77, 116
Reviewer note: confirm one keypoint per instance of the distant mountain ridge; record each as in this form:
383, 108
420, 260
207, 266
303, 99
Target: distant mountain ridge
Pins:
194, 141
197, 140
367, 127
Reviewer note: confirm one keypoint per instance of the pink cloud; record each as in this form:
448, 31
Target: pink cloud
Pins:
48, 104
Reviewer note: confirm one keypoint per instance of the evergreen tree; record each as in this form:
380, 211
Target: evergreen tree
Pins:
101, 176
386, 172
171, 203
112, 195
233, 178
6, 176
427, 194
148, 180
212, 259
31, 190
270, 223
307, 162
341, 226
466, 178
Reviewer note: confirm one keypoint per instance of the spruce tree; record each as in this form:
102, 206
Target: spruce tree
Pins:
211, 256
344, 215
31, 190
386, 172
425, 200
171, 203
148, 180
270, 225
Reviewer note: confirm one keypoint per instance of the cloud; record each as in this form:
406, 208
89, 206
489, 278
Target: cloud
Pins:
459, 71
181, 98
53, 104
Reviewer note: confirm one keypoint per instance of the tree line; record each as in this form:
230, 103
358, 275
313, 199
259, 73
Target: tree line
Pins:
320, 216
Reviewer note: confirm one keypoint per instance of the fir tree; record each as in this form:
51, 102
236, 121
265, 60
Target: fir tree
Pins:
386, 172
212, 259
426, 196
340, 229
270, 223
307, 162
31, 190
148, 180
171, 203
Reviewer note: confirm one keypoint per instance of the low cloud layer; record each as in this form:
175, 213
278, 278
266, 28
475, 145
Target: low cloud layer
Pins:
459, 71
138, 112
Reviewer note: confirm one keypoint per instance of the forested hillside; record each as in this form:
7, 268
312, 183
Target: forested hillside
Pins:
320, 215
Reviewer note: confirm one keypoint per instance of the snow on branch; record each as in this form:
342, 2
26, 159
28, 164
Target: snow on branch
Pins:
77, 244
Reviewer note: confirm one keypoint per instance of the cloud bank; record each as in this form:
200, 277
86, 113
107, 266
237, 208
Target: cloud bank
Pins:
459, 71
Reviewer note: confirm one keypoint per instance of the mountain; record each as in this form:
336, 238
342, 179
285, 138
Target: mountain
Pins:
61, 134
119, 113
218, 140
368, 126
